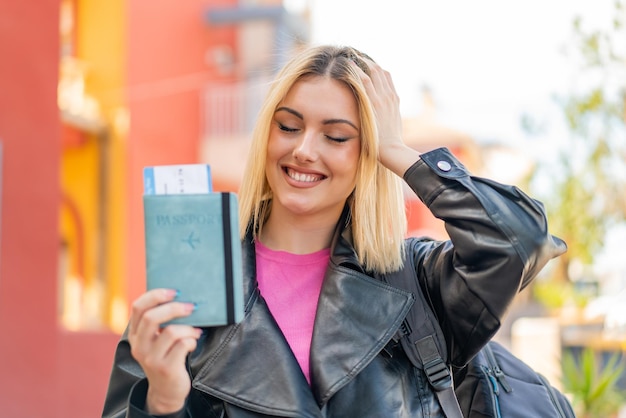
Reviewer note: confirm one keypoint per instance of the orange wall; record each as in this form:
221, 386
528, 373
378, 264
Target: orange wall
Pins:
100, 44
30, 135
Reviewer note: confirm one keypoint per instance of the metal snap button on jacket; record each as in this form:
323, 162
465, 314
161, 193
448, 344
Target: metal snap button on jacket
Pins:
444, 165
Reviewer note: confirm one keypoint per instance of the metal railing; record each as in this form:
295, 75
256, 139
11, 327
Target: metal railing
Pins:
230, 109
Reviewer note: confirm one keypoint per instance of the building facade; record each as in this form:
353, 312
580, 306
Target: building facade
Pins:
92, 91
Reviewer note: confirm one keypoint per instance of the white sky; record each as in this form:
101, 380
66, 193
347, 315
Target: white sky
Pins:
486, 61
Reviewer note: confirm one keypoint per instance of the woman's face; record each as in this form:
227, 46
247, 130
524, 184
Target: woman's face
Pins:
313, 150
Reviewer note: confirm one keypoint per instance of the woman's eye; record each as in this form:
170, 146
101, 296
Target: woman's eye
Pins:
286, 128
337, 139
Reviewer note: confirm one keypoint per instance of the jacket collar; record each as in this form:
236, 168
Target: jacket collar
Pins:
250, 364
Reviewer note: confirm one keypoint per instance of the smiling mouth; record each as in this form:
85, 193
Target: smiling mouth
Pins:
303, 177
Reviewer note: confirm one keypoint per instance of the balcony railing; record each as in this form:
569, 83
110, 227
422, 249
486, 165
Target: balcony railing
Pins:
229, 110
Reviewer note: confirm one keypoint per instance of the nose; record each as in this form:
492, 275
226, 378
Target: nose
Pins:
305, 149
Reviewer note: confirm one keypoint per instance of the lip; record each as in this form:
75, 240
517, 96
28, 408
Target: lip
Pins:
300, 177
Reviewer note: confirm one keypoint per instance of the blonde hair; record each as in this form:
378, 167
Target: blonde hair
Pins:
377, 209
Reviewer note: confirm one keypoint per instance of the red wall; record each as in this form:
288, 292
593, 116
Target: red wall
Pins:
46, 371
169, 43
29, 131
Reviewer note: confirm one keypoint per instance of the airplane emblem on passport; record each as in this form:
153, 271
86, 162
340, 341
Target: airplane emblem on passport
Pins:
191, 240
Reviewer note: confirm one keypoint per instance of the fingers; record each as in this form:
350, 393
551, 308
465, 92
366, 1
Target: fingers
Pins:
152, 319
383, 83
149, 312
365, 78
160, 350
164, 365
148, 301
168, 348
378, 84
178, 352
392, 152
378, 74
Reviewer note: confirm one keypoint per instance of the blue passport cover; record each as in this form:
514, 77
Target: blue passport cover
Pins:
192, 245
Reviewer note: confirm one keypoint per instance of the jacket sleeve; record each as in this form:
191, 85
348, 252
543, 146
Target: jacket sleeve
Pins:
128, 386
499, 241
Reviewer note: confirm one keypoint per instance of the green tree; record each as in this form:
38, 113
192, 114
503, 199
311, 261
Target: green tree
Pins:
588, 181
593, 383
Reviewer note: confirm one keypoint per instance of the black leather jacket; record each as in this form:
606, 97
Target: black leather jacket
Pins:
499, 241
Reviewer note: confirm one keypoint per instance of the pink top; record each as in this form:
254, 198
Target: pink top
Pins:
291, 284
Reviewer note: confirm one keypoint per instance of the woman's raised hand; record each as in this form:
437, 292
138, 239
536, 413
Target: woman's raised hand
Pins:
162, 351
393, 153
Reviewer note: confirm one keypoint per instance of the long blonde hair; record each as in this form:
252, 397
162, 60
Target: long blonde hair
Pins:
378, 216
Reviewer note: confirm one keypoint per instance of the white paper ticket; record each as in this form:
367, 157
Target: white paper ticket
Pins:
177, 179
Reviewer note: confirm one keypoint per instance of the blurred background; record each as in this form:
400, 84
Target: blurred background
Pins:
91, 91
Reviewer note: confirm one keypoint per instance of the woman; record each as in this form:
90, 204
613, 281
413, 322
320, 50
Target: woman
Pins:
322, 216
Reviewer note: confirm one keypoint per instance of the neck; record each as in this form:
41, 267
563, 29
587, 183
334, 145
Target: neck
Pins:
297, 235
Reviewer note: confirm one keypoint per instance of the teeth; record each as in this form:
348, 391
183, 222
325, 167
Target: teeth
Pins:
302, 176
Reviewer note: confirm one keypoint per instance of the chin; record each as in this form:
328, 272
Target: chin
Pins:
299, 208
298, 205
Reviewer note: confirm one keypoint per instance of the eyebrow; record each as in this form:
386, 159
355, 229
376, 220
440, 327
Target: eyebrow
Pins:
325, 121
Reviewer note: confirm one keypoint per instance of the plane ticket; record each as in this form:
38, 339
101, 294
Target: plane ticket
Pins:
177, 179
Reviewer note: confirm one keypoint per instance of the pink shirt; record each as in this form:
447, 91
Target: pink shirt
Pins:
291, 284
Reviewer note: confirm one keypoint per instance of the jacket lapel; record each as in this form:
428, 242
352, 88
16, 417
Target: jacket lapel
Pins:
250, 364
357, 315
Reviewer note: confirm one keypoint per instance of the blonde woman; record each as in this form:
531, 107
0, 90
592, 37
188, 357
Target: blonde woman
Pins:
323, 224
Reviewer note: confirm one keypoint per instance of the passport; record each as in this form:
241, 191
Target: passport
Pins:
192, 245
